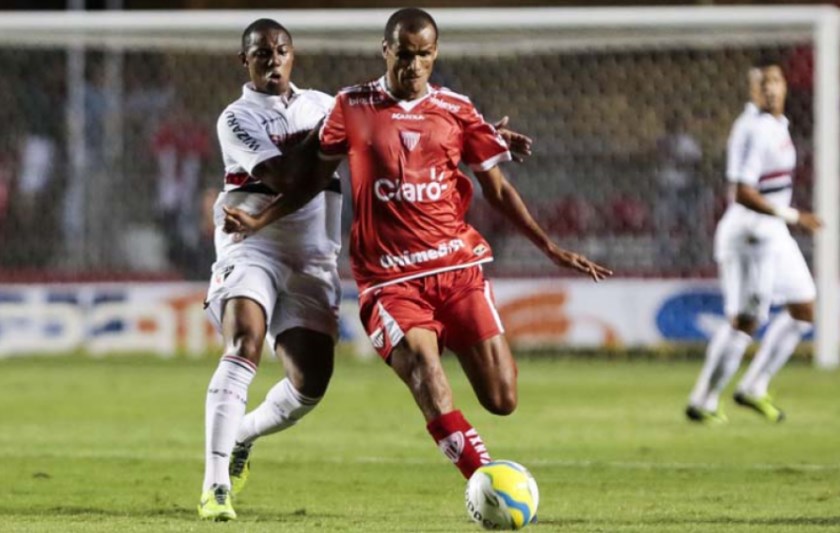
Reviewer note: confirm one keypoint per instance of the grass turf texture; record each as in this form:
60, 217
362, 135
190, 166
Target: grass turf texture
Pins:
116, 445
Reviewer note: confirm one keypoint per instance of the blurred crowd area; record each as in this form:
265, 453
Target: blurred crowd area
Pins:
628, 164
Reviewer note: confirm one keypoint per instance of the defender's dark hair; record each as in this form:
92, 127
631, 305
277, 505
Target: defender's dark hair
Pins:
261, 25
411, 19
768, 60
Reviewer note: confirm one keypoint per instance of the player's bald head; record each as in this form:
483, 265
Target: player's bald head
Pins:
410, 19
259, 26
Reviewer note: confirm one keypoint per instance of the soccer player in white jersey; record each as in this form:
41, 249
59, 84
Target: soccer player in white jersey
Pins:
758, 260
282, 282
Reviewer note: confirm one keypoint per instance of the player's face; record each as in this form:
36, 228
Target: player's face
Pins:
410, 60
774, 89
269, 58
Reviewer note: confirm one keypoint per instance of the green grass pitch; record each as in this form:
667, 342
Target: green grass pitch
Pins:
116, 445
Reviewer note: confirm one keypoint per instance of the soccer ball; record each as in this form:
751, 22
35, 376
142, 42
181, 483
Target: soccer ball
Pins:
502, 495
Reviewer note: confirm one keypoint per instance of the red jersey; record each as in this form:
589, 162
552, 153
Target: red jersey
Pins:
409, 197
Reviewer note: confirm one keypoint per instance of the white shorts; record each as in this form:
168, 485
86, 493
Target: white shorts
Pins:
307, 296
758, 276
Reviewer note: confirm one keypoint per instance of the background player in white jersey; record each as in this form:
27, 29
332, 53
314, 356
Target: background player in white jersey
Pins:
283, 282
758, 260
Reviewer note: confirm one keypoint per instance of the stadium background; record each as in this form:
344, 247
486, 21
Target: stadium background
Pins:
114, 442
627, 169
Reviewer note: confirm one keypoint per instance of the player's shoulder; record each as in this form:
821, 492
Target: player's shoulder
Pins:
449, 94
360, 91
235, 110
450, 100
362, 94
316, 97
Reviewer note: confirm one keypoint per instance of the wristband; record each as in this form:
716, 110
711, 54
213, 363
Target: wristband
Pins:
788, 214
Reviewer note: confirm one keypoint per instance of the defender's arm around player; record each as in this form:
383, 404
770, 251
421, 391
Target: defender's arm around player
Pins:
319, 176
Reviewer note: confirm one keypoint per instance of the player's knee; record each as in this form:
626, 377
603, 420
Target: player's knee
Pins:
248, 345
313, 384
803, 312
745, 323
501, 403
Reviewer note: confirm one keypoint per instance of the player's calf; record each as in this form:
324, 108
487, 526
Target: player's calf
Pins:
240, 467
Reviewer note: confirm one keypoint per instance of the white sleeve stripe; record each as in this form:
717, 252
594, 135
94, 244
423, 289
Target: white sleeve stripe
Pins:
487, 164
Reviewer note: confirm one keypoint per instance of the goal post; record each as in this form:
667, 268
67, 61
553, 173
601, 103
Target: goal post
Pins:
602, 81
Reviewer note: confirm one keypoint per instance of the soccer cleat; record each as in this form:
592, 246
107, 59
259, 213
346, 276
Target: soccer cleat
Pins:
763, 405
704, 416
240, 467
215, 504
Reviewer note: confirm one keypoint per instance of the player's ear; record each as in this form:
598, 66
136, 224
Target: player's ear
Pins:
384, 48
243, 59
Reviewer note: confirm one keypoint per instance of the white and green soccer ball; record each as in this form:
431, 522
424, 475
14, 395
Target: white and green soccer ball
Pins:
502, 495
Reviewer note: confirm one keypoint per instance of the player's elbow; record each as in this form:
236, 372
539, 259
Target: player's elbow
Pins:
745, 195
278, 174
495, 194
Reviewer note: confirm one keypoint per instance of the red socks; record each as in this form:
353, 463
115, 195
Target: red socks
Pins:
459, 441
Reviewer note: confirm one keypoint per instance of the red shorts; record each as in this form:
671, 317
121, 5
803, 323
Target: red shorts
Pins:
457, 305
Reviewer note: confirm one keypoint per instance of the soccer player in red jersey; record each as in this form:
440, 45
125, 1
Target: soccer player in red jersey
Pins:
416, 261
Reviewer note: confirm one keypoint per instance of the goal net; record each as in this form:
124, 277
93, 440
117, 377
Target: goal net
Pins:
110, 162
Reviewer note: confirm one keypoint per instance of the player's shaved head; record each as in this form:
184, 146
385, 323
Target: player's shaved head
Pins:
261, 25
410, 19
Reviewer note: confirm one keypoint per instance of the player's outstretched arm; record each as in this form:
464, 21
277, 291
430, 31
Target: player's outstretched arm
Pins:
504, 198
519, 144
750, 198
285, 172
238, 221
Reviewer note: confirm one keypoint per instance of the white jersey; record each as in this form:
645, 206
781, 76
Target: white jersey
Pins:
253, 129
736, 145
761, 155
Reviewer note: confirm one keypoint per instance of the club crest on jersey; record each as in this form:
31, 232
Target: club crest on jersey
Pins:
452, 446
480, 250
410, 139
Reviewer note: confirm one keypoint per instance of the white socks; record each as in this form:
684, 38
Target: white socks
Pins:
227, 396
780, 340
723, 355
282, 408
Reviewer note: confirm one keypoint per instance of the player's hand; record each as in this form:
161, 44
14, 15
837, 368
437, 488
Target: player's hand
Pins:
520, 145
567, 259
809, 221
238, 221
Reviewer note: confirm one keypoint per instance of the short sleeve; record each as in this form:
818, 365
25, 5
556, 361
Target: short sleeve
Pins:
483, 147
736, 149
748, 171
333, 134
243, 140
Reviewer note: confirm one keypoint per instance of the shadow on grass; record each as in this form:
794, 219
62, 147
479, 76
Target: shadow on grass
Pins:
805, 521
172, 513
773, 521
